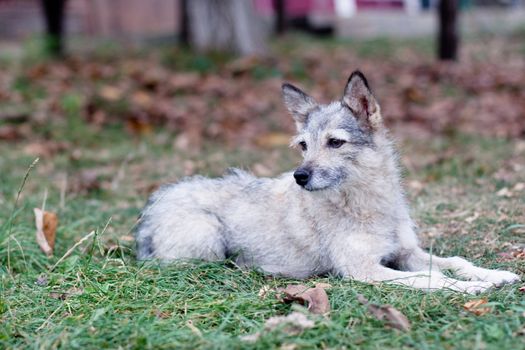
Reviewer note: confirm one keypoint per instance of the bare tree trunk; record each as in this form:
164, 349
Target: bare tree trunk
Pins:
280, 16
448, 30
184, 23
223, 25
54, 11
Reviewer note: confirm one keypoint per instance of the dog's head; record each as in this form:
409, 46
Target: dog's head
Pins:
333, 137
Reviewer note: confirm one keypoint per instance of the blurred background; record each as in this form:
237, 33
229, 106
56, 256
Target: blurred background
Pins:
141, 92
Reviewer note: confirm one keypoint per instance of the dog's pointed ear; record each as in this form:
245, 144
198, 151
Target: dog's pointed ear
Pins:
298, 103
359, 98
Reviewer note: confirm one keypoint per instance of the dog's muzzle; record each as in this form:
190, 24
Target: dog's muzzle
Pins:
302, 176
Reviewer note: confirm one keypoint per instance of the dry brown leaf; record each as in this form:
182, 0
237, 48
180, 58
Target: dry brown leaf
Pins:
472, 218
64, 295
184, 81
138, 126
323, 285
9, 133
316, 298
46, 225
162, 314
56, 295
504, 192
111, 93
476, 307
142, 99
45, 148
263, 291
193, 328
393, 317
292, 324
516, 253
273, 139
520, 186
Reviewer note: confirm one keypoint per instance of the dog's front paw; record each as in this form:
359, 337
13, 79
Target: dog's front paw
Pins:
500, 277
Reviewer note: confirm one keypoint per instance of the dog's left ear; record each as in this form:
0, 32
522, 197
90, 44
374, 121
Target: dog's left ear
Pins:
361, 101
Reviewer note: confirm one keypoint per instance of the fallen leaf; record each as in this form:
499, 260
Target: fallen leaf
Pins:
142, 99
139, 126
476, 307
88, 180
294, 323
184, 81
193, 329
46, 225
472, 218
393, 317
516, 253
111, 93
273, 139
243, 64
504, 192
520, 186
522, 289
45, 148
56, 295
263, 291
9, 133
323, 285
162, 314
316, 298
64, 295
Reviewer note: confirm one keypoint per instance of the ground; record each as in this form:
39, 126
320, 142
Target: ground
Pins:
465, 183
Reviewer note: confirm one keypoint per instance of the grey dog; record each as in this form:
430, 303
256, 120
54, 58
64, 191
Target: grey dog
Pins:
343, 211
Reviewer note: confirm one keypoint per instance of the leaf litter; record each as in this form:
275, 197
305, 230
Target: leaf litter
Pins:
46, 224
239, 102
477, 307
393, 317
315, 298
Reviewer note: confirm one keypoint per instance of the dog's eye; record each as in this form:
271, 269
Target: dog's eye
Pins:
303, 145
335, 143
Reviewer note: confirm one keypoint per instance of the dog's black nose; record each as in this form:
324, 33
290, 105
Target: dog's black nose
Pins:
302, 176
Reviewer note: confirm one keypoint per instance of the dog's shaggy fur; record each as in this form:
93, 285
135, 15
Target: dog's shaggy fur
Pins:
342, 211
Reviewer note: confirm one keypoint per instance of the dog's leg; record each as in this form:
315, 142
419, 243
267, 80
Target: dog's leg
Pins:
421, 260
429, 280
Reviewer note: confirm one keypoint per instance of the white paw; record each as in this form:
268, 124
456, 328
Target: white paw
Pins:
499, 277
475, 287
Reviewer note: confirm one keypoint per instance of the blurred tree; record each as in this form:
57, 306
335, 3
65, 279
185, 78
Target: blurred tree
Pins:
448, 30
280, 14
53, 11
184, 23
224, 25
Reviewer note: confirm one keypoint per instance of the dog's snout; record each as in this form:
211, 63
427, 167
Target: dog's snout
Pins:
302, 176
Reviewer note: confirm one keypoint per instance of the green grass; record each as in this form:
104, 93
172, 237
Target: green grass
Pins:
100, 297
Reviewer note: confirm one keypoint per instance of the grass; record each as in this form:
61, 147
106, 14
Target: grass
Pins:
100, 297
